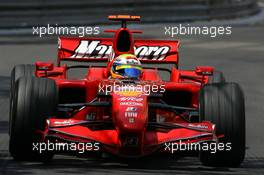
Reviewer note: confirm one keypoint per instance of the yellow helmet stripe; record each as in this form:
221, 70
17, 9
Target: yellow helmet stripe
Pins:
128, 66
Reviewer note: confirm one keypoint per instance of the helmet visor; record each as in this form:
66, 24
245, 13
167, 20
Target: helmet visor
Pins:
128, 71
132, 72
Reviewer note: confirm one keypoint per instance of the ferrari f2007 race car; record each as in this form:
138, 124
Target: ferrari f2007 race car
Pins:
124, 116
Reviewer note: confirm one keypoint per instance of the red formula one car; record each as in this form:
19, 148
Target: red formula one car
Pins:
50, 112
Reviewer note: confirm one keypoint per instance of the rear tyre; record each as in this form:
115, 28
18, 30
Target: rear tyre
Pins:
223, 105
35, 99
18, 71
217, 77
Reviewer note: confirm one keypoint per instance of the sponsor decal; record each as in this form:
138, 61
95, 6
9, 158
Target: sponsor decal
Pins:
131, 120
131, 109
131, 114
94, 49
64, 122
131, 99
131, 104
128, 93
198, 126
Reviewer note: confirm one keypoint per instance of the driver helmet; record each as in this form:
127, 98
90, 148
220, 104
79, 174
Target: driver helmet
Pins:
126, 66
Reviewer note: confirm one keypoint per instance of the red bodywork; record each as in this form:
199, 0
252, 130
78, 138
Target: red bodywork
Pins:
126, 122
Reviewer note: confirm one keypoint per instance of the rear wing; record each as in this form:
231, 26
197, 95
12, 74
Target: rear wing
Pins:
100, 50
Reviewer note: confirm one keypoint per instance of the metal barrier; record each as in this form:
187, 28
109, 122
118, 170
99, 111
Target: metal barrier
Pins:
28, 13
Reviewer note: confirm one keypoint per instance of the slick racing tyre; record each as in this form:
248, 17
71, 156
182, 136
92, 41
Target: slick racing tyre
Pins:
35, 99
18, 71
223, 105
217, 77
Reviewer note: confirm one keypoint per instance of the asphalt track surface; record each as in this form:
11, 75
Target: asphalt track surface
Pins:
240, 56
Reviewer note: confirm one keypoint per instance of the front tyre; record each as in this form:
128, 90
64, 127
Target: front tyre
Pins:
35, 99
223, 105
21, 70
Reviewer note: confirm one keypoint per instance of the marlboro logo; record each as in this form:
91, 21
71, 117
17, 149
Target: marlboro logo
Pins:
94, 49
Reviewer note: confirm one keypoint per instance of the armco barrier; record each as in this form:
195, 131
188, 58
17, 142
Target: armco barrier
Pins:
28, 13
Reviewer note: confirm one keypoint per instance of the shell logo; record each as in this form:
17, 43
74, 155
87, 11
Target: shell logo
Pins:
129, 93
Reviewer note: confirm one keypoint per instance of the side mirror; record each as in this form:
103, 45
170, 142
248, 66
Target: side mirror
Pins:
204, 70
43, 66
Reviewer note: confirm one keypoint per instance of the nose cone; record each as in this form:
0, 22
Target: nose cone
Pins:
130, 112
